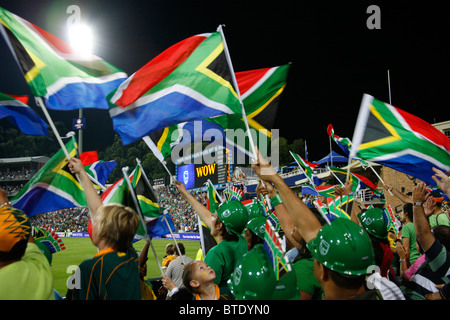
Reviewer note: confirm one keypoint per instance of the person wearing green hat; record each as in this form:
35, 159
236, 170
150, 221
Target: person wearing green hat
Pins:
255, 231
375, 221
308, 288
255, 210
253, 277
226, 226
287, 288
342, 250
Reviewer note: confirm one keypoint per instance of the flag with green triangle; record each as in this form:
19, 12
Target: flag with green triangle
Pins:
191, 80
53, 187
402, 141
260, 90
341, 206
306, 166
146, 198
211, 197
65, 78
272, 245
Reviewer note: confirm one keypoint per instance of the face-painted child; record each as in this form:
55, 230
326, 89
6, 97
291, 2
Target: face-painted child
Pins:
199, 278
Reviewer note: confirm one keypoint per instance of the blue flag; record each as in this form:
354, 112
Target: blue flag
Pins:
22, 116
158, 227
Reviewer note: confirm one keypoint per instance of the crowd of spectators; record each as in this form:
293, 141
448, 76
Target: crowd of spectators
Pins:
65, 220
12, 175
179, 209
11, 181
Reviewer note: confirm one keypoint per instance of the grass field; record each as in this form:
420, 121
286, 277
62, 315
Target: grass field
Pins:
79, 249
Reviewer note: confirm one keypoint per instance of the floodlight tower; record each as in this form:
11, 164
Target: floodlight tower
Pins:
81, 40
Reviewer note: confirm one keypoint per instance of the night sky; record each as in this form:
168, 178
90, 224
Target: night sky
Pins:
335, 57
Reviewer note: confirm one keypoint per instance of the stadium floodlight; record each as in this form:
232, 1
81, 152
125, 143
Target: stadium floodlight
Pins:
81, 38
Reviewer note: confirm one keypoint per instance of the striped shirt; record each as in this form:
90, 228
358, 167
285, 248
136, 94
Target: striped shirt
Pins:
436, 270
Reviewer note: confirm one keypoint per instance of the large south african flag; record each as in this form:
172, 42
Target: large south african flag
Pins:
397, 139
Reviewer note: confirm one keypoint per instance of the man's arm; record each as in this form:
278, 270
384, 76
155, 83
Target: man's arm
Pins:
143, 256
201, 210
421, 223
404, 198
304, 220
282, 213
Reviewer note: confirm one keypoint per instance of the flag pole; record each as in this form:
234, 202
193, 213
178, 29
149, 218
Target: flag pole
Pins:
390, 102
217, 193
133, 196
244, 115
235, 84
389, 86
337, 177
156, 198
41, 104
156, 256
174, 240
157, 153
202, 241
374, 171
139, 212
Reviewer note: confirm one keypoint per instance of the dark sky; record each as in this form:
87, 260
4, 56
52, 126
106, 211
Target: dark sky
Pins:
335, 57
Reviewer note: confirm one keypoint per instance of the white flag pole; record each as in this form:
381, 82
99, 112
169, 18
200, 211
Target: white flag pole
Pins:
156, 198
157, 153
374, 171
202, 240
217, 193
139, 212
360, 127
235, 84
244, 115
41, 104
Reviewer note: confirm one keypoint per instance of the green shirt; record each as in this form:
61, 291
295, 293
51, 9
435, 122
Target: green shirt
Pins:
109, 275
440, 219
306, 280
222, 258
409, 232
30, 278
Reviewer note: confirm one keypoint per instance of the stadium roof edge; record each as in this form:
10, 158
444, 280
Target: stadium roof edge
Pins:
39, 159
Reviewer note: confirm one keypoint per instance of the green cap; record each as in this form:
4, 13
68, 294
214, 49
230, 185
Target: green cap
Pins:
255, 210
286, 288
233, 215
253, 277
375, 222
343, 246
258, 226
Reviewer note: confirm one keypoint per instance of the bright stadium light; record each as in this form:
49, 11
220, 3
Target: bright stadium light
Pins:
81, 39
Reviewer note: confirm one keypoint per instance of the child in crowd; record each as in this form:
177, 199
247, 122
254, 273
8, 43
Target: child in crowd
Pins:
113, 273
199, 278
